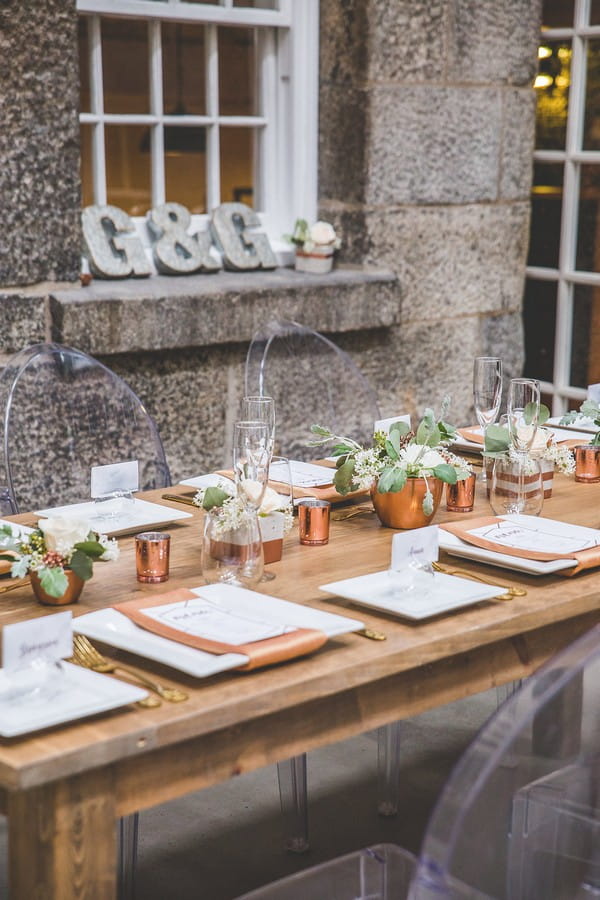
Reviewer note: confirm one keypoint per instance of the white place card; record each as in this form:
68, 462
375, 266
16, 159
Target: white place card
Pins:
419, 546
593, 393
49, 638
215, 621
385, 424
118, 477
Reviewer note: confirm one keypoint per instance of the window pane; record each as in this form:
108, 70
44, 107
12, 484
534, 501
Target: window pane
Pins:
257, 4
125, 66
585, 362
595, 14
552, 89
546, 203
237, 68
588, 225
183, 69
558, 15
237, 165
87, 184
128, 168
539, 318
84, 66
185, 167
591, 128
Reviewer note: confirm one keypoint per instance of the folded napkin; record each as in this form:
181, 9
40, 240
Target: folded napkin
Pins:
265, 652
477, 438
587, 558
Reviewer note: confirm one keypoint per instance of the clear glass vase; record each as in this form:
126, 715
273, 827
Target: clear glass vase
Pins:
517, 486
232, 553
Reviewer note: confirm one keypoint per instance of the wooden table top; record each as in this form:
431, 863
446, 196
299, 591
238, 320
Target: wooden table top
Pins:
351, 682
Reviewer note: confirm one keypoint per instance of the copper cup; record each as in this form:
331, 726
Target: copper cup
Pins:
152, 556
460, 497
313, 519
587, 463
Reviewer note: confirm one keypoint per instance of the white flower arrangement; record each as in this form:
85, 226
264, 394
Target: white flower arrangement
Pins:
544, 447
232, 511
58, 543
321, 234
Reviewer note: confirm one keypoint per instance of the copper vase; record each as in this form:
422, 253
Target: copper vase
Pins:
71, 595
404, 509
587, 463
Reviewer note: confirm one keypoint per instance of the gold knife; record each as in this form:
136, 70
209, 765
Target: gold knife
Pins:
178, 498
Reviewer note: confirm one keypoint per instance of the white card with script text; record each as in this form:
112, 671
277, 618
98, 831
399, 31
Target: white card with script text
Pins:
49, 638
418, 546
107, 480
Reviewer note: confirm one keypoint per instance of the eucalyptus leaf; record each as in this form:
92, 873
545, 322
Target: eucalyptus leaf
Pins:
445, 472
386, 481
343, 477
20, 567
53, 581
435, 437
399, 480
91, 548
401, 428
497, 439
394, 439
428, 503
320, 430
82, 565
214, 496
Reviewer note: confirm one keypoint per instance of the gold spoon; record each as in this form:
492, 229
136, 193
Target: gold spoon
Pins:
463, 573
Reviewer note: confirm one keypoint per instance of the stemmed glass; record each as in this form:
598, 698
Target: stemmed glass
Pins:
257, 408
251, 458
517, 485
523, 410
487, 391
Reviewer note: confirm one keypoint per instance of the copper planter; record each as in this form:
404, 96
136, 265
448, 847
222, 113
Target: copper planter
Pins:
587, 463
404, 509
71, 595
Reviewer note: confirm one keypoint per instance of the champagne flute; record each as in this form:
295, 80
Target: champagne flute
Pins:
487, 392
258, 408
523, 411
280, 471
251, 461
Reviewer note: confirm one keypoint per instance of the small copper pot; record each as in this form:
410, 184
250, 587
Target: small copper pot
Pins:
460, 497
404, 509
71, 595
587, 463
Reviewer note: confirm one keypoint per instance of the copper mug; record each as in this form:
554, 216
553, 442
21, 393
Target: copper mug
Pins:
587, 463
152, 556
460, 497
313, 521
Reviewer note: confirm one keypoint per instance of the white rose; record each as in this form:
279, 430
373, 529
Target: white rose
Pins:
61, 533
429, 460
272, 501
541, 438
322, 233
111, 549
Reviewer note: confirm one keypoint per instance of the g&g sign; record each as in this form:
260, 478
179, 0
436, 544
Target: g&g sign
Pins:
114, 250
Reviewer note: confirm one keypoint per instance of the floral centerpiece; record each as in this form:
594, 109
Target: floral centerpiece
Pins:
231, 512
414, 464
56, 553
589, 409
587, 456
315, 245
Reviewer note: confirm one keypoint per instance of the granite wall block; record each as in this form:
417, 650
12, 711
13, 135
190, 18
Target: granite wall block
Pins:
518, 138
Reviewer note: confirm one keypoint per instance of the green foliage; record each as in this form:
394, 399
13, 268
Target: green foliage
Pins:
81, 564
53, 581
214, 496
91, 548
530, 411
446, 473
497, 441
343, 478
391, 480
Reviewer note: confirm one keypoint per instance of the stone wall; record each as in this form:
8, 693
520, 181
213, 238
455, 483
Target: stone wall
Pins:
426, 135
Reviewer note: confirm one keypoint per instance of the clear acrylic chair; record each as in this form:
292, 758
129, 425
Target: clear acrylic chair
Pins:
312, 380
64, 412
519, 817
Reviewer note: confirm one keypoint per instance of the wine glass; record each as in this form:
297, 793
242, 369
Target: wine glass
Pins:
258, 408
251, 461
487, 392
523, 411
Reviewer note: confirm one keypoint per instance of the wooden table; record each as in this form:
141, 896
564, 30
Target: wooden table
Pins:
63, 789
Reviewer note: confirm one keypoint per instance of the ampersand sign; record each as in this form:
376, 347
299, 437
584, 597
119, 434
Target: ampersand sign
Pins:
176, 252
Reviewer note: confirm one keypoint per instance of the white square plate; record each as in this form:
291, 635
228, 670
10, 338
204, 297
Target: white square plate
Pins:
118, 630
456, 547
135, 516
79, 693
431, 596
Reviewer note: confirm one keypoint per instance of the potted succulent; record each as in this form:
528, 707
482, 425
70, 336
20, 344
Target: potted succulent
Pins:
315, 246
587, 456
404, 470
58, 555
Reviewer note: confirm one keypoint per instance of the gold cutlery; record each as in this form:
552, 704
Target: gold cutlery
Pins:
14, 584
463, 573
371, 634
341, 514
179, 498
85, 654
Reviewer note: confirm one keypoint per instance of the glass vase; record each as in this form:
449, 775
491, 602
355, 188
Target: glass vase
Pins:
232, 552
517, 486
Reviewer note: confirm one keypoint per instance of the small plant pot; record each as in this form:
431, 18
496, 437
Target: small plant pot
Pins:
271, 532
71, 595
318, 262
587, 463
404, 509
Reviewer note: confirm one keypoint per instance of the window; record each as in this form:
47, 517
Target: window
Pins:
200, 103
562, 296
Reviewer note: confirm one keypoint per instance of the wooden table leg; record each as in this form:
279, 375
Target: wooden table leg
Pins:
62, 840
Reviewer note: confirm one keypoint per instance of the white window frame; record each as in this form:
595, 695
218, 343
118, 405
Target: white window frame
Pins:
287, 120
572, 158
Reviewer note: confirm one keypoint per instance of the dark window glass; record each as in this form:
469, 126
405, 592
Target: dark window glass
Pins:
184, 90
237, 166
128, 168
585, 341
588, 224
237, 72
546, 202
539, 318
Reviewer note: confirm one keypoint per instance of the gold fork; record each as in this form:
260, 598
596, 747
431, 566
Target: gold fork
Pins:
510, 591
87, 655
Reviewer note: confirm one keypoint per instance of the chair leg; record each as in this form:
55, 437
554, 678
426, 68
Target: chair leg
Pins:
388, 769
128, 846
294, 806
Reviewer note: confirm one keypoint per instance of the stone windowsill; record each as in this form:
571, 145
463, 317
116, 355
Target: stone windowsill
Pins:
166, 312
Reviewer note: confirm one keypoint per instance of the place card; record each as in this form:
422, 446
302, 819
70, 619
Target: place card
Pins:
116, 478
304, 475
49, 638
385, 424
417, 547
514, 536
